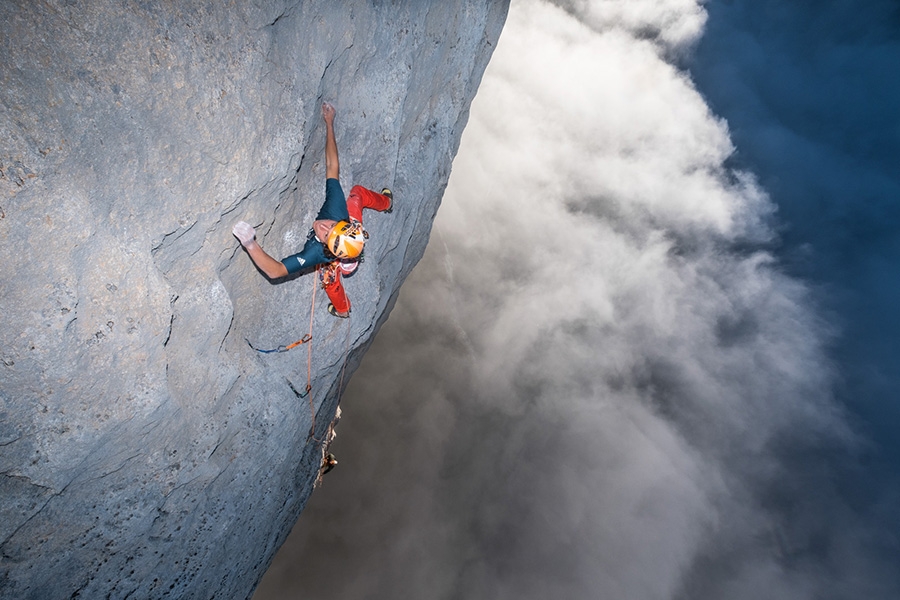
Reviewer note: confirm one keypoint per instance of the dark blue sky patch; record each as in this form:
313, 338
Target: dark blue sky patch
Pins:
811, 96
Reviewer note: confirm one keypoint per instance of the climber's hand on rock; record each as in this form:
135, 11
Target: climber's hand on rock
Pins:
328, 112
244, 232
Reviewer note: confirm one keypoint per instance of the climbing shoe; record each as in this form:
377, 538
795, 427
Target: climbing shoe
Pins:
332, 310
389, 194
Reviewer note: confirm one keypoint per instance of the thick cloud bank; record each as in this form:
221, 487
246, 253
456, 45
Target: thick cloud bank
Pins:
598, 383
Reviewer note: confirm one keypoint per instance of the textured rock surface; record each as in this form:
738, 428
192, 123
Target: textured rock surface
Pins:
145, 450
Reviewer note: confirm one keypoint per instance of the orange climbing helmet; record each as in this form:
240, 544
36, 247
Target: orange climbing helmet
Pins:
346, 239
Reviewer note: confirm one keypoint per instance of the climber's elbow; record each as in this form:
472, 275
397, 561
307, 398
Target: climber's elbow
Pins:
276, 270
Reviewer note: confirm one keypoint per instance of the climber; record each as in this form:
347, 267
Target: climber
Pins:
337, 236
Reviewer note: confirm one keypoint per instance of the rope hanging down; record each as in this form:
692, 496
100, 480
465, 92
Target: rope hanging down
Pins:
305, 339
312, 409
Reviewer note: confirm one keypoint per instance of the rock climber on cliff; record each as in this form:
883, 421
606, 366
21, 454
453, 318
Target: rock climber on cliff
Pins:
336, 241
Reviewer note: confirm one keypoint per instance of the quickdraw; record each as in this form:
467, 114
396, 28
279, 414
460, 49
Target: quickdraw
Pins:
297, 392
306, 338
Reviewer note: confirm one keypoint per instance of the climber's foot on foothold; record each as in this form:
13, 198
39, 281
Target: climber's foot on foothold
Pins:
389, 194
333, 311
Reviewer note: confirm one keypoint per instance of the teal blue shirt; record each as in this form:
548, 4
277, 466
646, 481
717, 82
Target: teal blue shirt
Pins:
313, 254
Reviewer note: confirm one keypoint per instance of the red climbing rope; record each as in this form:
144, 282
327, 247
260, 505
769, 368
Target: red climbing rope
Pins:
312, 408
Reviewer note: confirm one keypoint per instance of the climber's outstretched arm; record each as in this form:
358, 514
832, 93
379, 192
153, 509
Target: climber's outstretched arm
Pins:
332, 164
271, 267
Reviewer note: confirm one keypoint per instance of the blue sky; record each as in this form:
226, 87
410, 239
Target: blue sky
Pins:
813, 112
649, 350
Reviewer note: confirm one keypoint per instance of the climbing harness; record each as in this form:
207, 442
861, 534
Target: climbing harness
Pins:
327, 275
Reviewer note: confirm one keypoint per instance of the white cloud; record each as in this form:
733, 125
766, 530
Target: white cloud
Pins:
674, 23
592, 217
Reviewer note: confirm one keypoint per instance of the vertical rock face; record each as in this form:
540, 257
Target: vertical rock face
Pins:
146, 450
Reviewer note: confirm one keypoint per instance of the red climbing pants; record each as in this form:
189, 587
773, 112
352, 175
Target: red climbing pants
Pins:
361, 198
358, 199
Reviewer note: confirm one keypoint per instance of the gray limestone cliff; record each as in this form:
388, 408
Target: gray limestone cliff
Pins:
146, 450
